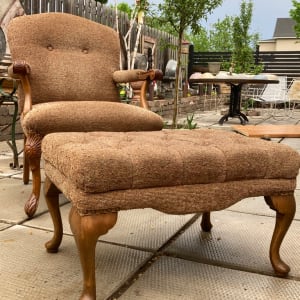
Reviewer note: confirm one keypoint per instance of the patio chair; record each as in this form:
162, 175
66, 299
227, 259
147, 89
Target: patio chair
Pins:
294, 95
275, 97
69, 70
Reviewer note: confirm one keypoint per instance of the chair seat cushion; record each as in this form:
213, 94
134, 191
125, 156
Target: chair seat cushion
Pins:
99, 162
84, 116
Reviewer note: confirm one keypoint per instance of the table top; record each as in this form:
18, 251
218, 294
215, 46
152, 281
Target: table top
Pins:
233, 80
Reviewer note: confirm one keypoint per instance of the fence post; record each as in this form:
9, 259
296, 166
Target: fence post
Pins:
256, 55
190, 61
151, 86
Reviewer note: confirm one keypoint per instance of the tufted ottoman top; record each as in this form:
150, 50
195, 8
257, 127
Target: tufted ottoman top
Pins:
98, 162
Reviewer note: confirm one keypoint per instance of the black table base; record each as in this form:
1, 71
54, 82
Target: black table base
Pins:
235, 104
236, 82
243, 118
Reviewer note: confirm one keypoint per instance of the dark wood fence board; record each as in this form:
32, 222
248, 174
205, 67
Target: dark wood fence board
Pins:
275, 62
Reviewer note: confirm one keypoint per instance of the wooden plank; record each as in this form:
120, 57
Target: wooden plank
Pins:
271, 131
43, 6
51, 6
59, 5
67, 6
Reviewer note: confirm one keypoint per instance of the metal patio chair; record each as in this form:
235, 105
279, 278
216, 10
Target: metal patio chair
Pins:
274, 97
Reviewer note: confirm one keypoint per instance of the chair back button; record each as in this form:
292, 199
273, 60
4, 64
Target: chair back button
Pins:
85, 51
49, 47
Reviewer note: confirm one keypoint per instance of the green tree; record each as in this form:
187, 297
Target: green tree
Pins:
200, 41
124, 7
295, 15
182, 15
221, 35
102, 2
242, 56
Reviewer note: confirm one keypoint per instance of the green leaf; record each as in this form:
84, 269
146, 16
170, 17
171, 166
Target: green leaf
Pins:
102, 1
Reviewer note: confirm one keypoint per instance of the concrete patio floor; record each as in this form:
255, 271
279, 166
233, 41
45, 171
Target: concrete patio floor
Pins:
148, 254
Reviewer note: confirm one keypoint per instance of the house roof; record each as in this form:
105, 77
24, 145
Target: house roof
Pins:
284, 28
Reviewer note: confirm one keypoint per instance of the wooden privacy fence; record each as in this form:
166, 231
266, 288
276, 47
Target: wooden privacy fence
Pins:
90, 9
276, 62
281, 62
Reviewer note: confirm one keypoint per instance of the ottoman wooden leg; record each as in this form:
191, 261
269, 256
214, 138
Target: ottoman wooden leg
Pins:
86, 231
205, 222
52, 199
285, 207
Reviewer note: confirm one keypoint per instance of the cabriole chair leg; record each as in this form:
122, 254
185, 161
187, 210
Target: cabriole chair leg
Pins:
25, 166
52, 200
33, 154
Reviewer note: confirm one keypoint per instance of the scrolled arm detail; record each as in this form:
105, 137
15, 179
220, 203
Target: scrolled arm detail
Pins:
154, 74
19, 69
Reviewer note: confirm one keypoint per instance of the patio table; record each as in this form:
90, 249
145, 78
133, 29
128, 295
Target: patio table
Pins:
236, 83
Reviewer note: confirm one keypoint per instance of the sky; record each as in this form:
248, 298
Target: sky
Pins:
265, 13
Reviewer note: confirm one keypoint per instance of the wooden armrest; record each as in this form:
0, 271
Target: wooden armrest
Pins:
124, 76
20, 70
148, 76
138, 75
154, 74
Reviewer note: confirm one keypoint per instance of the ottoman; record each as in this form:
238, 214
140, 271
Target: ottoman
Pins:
173, 171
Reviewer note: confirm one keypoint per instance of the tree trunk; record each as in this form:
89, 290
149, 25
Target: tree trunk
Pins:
177, 77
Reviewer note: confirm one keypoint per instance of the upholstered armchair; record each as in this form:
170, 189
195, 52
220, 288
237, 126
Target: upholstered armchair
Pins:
68, 67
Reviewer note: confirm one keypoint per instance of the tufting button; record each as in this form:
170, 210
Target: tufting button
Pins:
85, 51
49, 47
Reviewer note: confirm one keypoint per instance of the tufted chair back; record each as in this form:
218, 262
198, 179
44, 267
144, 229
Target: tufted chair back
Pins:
66, 58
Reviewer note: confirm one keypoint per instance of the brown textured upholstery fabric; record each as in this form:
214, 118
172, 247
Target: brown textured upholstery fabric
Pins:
114, 171
89, 116
64, 58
